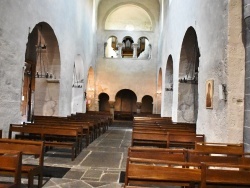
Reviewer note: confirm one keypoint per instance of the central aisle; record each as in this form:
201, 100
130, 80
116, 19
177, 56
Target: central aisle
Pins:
98, 165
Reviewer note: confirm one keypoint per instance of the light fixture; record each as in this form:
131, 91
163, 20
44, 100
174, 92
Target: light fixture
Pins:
170, 88
40, 50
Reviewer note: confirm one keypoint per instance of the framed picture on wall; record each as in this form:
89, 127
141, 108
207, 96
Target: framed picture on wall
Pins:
209, 93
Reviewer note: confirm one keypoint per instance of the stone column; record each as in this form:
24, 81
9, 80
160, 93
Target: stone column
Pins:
112, 108
247, 76
134, 45
138, 105
119, 45
149, 51
105, 46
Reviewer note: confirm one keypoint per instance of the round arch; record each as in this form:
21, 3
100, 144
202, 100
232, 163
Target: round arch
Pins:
147, 104
168, 93
139, 18
77, 101
104, 102
42, 73
125, 104
188, 78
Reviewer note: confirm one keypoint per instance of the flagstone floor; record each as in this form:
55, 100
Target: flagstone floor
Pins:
98, 165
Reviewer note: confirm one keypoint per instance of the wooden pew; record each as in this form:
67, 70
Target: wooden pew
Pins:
220, 148
226, 174
184, 140
35, 148
144, 172
44, 132
149, 139
158, 153
11, 161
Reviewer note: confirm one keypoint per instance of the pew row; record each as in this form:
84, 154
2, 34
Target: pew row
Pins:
11, 161
34, 148
52, 137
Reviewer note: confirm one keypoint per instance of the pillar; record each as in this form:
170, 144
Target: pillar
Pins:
138, 105
134, 45
119, 50
112, 108
105, 46
247, 76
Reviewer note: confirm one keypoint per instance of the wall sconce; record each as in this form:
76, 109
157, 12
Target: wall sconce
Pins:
223, 92
170, 88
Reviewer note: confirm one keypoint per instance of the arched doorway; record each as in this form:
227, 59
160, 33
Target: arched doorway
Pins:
77, 86
188, 78
40, 93
147, 105
104, 102
91, 90
125, 104
168, 94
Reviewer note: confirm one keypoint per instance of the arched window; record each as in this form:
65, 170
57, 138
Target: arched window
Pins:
111, 49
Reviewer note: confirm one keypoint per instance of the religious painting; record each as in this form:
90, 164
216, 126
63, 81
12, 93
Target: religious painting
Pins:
209, 93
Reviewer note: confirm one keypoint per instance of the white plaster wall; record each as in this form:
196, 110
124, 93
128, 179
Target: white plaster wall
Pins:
134, 74
210, 21
72, 25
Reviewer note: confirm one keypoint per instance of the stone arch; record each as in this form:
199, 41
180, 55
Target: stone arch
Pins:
111, 47
127, 47
168, 94
144, 48
158, 92
125, 100
135, 21
147, 104
77, 101
188, 78
104, 102
42, 73
91, 90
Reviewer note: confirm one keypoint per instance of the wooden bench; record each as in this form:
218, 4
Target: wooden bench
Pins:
220, 148
149, 139
46, 134
184, 139
143, 172
226, 174
35, 148
157, 153
11, 161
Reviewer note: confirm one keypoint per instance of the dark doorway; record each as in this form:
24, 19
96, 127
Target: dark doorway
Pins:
104, 102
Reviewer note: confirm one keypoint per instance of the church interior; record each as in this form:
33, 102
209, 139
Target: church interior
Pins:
119, 93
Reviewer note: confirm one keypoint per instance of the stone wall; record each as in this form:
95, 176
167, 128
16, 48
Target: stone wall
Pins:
212, 23
73, 26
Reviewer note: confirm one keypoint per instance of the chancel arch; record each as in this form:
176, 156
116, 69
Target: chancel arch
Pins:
168, 93
78, 97
41, 81
188, 78
104, 102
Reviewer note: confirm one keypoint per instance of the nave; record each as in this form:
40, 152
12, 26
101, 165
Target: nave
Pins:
98, 165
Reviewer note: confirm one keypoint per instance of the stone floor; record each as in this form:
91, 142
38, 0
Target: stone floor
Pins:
98, 165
